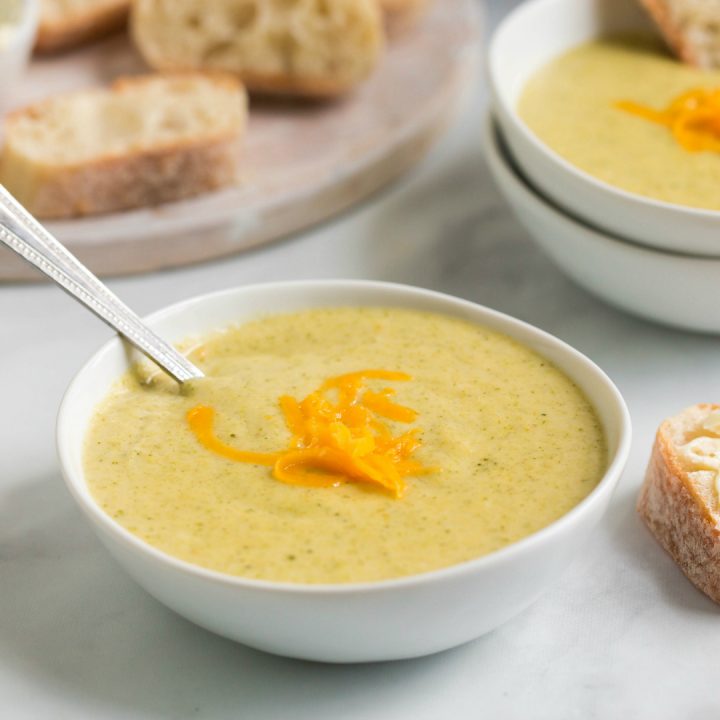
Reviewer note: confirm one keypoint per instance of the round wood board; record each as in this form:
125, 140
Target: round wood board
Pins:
302, 162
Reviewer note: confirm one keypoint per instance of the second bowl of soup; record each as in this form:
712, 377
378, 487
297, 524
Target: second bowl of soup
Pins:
603, 120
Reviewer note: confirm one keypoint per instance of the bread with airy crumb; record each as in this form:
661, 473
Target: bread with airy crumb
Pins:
680, 498
690, 27
402, 14
144, 141
65, 24
305, 47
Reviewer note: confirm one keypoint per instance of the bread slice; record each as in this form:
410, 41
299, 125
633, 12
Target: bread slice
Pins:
402, 14
146, 140
690, 27
304, 47
64, 24
680, 499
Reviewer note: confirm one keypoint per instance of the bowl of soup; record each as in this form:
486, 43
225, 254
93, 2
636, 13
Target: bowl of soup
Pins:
588, 99
673, 289
367, 472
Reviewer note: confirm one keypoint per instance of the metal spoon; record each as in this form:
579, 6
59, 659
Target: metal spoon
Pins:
21, 232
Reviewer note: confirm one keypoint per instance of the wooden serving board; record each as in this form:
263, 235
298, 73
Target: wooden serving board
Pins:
303, 162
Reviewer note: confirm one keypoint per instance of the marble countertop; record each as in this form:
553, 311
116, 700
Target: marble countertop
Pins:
622, 634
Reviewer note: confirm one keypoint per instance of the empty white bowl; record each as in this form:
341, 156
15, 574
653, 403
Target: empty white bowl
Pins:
386, 620
532, 35
669, 288
18, 24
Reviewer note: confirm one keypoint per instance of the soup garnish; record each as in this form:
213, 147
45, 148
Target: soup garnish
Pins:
345, 440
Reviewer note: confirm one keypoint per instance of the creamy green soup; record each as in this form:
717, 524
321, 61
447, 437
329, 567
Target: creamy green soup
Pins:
570, 105
512, 444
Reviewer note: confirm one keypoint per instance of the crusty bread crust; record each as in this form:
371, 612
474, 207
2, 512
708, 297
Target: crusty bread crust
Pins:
166, 172
690, 27
678, 515
659, 10
310, 87
145, 179
58, 34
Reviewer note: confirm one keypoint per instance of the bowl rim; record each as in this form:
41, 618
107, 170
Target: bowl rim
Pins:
499, 154
510, 114
76, 482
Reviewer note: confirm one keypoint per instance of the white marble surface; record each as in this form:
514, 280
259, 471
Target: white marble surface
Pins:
622, 635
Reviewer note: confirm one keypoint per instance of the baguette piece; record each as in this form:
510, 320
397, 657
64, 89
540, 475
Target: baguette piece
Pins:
680, 499
690, 27
304, 47
65, 24
144, 141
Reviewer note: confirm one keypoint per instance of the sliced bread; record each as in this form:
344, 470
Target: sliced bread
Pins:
305, 47
680, 499
144, 141
64, 24
690, 27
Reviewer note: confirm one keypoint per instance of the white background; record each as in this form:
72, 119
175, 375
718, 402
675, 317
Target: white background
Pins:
622, 635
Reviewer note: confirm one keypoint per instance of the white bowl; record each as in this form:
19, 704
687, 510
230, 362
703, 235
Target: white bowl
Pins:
529, 37
386, 620
669, 288
15, 48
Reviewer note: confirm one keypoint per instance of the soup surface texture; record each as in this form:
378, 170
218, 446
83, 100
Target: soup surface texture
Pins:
570, 104
515, 442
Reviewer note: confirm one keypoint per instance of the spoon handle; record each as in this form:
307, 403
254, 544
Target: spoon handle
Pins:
22, 233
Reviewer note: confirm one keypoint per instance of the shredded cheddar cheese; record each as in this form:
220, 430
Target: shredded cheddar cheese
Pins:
338, 434
693, 118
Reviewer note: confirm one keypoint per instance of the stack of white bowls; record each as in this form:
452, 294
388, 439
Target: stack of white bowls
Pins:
654, 259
